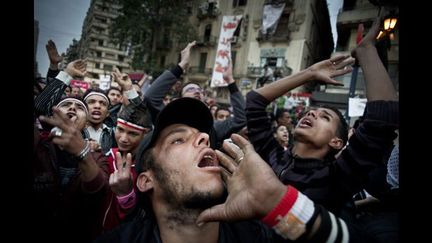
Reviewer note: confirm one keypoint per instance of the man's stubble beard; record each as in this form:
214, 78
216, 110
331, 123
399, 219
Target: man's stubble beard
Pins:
176, 195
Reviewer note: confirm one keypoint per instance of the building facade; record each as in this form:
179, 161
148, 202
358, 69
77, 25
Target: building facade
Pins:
95, 45
301, 38
353, 13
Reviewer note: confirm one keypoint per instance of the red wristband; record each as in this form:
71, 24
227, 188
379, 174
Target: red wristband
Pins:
282, 208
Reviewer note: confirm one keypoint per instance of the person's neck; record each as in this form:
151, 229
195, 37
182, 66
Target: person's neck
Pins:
96, 126
308, 150
179, 225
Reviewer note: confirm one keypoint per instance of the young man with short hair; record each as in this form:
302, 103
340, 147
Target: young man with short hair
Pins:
69, 180
310, 164
181, 181
133, 123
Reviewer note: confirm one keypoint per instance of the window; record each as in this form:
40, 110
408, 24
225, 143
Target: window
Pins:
109, 55
94, 75
100, 42
202, 62
98, 30
233, 58
108, 67
100, 20
270, 61
237, 3
97, 65
282, 26
162, 61
121, 58
348, 5
99, 54
207, 33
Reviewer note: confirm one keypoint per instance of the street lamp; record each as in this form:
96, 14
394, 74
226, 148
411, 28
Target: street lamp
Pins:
389, 26
390, 23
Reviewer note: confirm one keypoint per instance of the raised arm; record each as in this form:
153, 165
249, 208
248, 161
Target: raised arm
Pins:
93, 174
374, 137
237, 100
53, 92
54, 58
323, 71
255, 192
162, 85
378, 83
125, 83
233, 124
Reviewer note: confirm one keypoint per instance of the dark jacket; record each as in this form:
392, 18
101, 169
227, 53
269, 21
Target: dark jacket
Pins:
153, 99
333, 182
64, 208
111, 120
145, 229
107, 139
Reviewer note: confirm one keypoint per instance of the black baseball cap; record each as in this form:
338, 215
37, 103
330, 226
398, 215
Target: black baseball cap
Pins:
188, 111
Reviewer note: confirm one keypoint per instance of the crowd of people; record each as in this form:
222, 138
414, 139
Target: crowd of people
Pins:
160, 161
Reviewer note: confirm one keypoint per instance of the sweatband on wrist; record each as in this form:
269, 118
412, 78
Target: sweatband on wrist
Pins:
64, 77
128, 200
131, 94
291, 214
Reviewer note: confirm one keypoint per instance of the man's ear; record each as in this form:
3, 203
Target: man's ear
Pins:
336, 143
145, 181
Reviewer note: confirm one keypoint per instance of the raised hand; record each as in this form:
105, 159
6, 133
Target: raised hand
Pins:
70, 139
122, 79
120, 180
324, 71
228, 74
369, 39
53, 54
253, 188
77, 68
378, 83
185, 56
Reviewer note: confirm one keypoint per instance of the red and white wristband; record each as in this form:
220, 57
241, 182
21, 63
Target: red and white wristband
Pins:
291, 214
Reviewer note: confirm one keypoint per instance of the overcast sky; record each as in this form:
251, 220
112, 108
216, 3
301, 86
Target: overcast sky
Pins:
334, 6
61, 21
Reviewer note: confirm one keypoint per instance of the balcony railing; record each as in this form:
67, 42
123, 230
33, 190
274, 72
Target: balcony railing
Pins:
277, 37
256, 72
200, 70
164, 45
208, 10
207, 40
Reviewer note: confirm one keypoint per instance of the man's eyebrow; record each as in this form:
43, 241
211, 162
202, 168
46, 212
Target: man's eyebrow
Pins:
177, 130
328, 113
